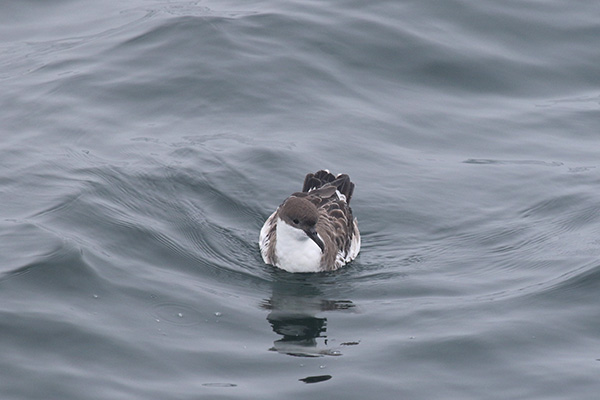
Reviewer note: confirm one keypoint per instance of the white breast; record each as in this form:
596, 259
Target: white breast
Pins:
295, 251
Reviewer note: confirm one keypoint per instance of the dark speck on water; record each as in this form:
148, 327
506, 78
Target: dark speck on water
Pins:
316, 379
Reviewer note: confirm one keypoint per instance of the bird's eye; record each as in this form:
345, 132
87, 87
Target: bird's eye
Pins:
295, 220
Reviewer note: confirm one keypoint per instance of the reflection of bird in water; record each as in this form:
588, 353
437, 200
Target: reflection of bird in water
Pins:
295, 307
300, 335
300, 328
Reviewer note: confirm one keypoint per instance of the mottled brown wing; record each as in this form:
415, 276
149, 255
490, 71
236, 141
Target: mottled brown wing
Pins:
335, 225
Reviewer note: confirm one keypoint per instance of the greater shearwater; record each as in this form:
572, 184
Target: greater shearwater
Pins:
313, 230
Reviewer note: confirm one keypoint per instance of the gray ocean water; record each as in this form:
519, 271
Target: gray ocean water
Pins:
145, 142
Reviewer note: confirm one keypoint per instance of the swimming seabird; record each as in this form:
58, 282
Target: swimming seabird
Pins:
313, 230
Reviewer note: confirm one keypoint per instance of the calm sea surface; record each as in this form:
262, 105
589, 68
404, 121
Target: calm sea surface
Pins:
145, 142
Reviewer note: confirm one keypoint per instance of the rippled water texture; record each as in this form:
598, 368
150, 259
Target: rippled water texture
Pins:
145, 142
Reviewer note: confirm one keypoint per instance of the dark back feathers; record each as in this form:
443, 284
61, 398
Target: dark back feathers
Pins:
323, 181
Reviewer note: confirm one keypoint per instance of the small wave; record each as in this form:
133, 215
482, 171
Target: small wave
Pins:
63, 269
578, 283
513, 162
